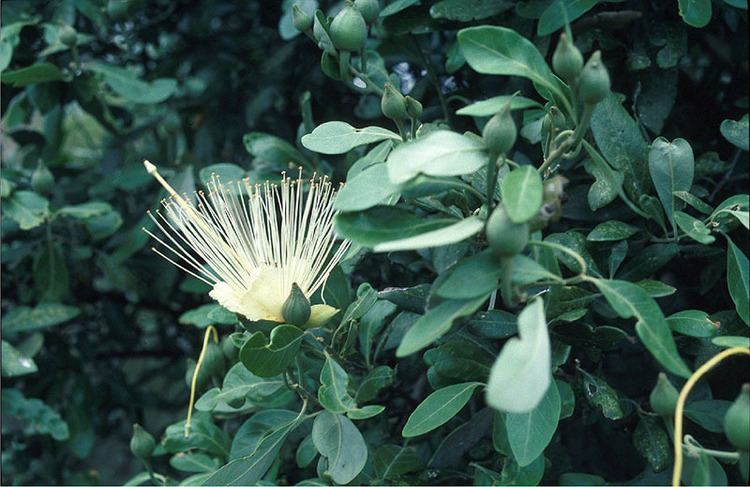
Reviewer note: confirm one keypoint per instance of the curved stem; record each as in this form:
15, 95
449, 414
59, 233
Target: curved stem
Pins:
194, 381
680, 407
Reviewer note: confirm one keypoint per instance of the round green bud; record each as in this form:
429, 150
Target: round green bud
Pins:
499, 133
301, 21
370, 9
296, 308
505, 237
142, 444
213, 362
567, 61
230, 350
393, 103
348, 29
663, 397
413, 107
42, 180
737, 420
594, 84
68, 35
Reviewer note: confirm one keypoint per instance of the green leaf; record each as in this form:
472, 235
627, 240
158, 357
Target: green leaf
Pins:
560, 12
391, 461
396, 6
694, 228
529, 433
696, 13
694, 323
15, 363
498, 50
439, 153
194, 462
521, 374
451, 234
656, 289
608, 184
384, 224
226, 171
436, 323
652, 443
35, 416
27, 208
738, 275
341, 443
376, 380
340, 137
127, 85
494, 324
521, 191
250, 435
85, 210
23, 318
204, 435
369, 188
249, 469
438, 408
490, 106
611, 231
731, 341
694, 201
630, 301
208, 314
333, 394
603, 396
272, 150
266, 358
240, 385
671, 165
51, 275
736, 132
467, 10
578, 479
36, 73
473, 277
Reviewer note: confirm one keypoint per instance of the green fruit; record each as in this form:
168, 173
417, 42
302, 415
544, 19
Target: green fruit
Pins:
594, 84
567, 61
393, 103
296, 308
213, 362
68, 35
42, 180
370, 9
348, 29
663, 397
737, 420
499, 134
505, 237
142, 444
413, 107
301, 21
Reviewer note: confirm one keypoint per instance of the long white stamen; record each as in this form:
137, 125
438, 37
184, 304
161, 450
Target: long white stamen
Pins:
252, 241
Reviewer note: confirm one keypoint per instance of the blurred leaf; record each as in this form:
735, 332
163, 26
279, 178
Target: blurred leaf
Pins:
16, 363
736, 132
696, 13
27, 208
738, 275
562, 12
127, 85
36, 73
23, 318
36, 417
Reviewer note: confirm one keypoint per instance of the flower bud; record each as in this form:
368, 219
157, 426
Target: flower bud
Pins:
370, 9
68, 35
348, 29
301, 21
737, 420
593, 85
500, 132
505, 237
42, 180
567, 61
393, 103
213, 362
663, 397
296, 308
142, 444
413, 107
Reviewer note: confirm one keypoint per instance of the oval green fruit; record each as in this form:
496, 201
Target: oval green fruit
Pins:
505, 237
348, 29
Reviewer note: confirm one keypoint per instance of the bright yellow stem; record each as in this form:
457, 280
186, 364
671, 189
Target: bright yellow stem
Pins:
679, 409
194, 382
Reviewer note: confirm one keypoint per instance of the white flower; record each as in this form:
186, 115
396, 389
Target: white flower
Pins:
252, 242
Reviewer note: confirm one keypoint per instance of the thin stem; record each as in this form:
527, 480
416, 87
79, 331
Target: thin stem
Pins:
691, 447
401, 130
194, 381
433, 79
680, 407
557, 151
371, 86
344, 72
491, 180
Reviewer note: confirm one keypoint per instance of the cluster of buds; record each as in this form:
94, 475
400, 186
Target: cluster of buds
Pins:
591, 80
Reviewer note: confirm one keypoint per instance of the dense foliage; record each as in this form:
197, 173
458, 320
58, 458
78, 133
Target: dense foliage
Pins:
549, 236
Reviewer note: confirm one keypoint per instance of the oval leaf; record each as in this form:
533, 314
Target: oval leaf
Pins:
438, 408
521, 191
340, 137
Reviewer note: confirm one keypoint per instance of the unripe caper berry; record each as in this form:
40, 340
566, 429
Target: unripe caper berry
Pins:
737, 420
301, 21
348, 29
594, 84
413, 107
663, 397
567, 61
506, 238
296, 308
142, 444
42, 180
499, 134
393, 103
68, 35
